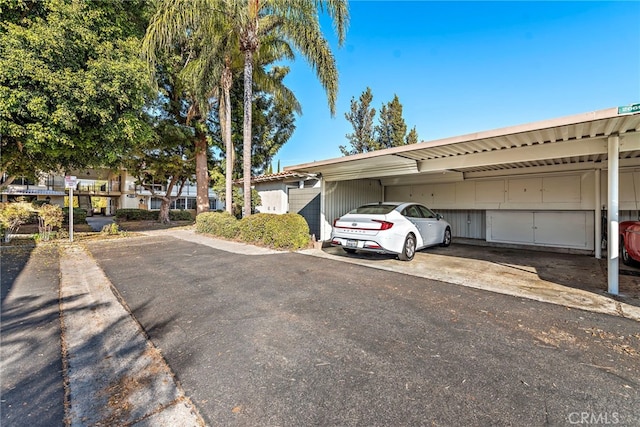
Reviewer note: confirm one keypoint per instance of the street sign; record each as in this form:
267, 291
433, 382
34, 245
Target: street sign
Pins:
70, 181
634, 108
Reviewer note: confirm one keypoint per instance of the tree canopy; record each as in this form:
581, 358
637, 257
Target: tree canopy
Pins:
72, 85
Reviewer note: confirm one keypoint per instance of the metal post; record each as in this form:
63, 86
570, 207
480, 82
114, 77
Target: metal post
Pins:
612, 214
71, 214
598, 215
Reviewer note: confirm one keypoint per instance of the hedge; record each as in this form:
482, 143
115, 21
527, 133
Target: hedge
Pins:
221, 224
147, 215
136, 214
288, 231
180, 215
79, 216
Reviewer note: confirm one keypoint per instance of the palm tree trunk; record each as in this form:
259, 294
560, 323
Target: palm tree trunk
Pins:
202, 173
226, 130
246, 130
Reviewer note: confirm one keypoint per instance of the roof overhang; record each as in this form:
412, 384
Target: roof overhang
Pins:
567, 143
12, 191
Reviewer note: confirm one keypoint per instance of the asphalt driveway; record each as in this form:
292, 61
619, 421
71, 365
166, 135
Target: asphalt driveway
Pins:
289, 339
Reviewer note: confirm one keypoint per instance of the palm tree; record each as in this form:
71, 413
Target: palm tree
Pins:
187, 27
297, 22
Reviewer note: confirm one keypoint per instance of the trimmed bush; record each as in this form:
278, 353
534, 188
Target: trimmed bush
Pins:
146, 215
136, 215
221, 224
287, 231
179, 215
252, 228
79, 216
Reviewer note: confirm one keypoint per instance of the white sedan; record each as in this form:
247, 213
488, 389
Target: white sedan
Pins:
392, 228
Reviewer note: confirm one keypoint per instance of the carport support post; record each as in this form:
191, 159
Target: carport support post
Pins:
598, 214
612, 214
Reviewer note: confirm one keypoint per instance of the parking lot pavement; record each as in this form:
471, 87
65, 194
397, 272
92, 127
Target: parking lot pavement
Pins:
273, 338
115, 376
285, 339
576, 281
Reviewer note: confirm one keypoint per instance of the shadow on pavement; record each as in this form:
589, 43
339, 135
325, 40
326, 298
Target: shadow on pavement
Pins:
576, 271
13, 260
32, 381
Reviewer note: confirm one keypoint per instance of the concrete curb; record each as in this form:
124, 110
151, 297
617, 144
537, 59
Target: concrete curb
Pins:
115, 376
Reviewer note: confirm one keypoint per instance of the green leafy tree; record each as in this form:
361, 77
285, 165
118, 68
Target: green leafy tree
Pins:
72, 85
167, 160
361, 118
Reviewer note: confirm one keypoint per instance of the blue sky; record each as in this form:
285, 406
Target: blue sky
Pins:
463, 67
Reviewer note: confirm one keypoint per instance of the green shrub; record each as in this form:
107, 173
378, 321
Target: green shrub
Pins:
252, 228
111, 229
287, 231
180, 215
136, 215
221, 224
79, 215
12, 216
49, 216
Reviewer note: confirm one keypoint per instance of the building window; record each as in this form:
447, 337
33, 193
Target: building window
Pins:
155, 203
179, 204
191, 203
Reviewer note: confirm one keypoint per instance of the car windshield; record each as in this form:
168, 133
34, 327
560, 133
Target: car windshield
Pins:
373, 209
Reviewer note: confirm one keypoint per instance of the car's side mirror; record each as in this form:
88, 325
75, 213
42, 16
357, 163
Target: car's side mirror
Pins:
438, 216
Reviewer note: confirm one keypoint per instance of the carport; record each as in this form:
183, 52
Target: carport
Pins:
545, 183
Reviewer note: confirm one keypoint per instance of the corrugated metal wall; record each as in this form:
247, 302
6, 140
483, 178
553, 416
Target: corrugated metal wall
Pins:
306, 202
342, 196
466, 223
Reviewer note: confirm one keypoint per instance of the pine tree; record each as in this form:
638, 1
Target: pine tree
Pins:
412, 137
392, 128
361, 118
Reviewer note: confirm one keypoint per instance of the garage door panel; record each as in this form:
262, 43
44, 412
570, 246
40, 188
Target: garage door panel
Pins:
564, 229
510, 227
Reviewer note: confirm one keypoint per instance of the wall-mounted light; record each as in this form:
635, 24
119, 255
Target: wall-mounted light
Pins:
141, 201
48, 199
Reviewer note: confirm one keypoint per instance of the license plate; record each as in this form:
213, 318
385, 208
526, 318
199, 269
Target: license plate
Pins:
352, 243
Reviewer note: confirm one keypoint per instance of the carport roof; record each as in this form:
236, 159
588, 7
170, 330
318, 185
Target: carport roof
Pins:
567, 143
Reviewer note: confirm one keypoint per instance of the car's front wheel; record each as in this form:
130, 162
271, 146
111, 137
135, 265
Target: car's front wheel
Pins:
409, 248
446, 240
624, 254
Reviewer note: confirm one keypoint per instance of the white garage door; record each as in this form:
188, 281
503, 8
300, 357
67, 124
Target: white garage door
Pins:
566, 229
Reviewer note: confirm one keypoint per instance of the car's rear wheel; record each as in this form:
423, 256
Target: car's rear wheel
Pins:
446, 240
349, 250
624, 254
409, 248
